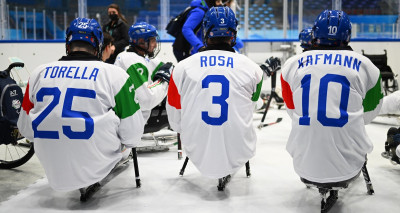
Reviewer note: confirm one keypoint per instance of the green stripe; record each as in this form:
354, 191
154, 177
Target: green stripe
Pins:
373, 96
156, 69
256, 95
139, 74
125, 104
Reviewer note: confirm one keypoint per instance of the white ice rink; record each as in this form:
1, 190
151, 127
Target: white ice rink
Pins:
273, 186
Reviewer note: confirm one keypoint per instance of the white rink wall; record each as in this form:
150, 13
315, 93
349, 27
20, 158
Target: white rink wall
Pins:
37, 53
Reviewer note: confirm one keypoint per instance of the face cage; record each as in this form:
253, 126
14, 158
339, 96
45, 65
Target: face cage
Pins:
156, 50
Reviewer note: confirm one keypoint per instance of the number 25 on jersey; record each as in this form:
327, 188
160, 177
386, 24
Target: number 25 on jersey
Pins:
67, 112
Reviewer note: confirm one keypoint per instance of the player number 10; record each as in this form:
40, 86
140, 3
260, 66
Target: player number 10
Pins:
322, 100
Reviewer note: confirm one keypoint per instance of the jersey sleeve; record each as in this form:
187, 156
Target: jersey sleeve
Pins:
372, 101
24, 121
148, 94
173, 105
128, 110
391, 104
259, 80
287, 93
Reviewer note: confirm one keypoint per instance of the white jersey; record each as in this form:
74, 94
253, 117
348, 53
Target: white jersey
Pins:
78, 113
391, 104
142, 71
330, 96
210, 102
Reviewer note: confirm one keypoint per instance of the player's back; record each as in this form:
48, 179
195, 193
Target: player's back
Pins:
330, 95
216, 89
73, 120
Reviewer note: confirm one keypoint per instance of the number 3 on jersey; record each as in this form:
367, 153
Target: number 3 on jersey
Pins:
67, 112
220, 100
322, 100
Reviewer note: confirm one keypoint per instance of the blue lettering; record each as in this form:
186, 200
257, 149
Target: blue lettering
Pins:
347, 61
54, 72
83, 74
69, 72
94, 74
328, 57
47, 70
76, 74
317, 58
229, 62
203, 59
309, 60
212, 60
356, 65
300, 63
221, 60
62, 71
338, 59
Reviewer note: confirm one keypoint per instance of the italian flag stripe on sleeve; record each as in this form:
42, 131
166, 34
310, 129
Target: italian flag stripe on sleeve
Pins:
139, 74
256, 95
156, 69
174, 98
373, 97
125, 104
287, 94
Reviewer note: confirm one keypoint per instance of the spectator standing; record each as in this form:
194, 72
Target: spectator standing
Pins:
118, 28
189, 41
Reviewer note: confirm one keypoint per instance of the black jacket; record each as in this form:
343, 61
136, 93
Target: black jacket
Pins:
119, 32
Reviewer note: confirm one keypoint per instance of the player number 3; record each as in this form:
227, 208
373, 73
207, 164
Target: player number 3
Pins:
220, 100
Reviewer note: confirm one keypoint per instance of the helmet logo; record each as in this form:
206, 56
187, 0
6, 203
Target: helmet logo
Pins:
82, 25
332, 30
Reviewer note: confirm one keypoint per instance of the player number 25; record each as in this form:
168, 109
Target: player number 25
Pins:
220, 100
67, 112
322, 100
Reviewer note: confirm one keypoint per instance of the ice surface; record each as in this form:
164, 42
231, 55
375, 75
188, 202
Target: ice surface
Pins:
273, 186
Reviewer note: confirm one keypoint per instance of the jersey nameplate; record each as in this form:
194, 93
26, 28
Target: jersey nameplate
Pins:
213, 60
71, 72
331, 59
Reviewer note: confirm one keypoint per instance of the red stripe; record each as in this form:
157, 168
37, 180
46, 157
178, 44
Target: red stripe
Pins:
27, 105
287, 94
174, 98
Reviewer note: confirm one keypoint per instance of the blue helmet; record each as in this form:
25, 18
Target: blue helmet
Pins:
220, 22
84, 29
331, 28
305, 38
142, 30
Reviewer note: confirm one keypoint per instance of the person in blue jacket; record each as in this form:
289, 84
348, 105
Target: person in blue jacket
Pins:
189, 41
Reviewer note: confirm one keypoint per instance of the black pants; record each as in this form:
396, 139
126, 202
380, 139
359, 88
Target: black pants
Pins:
180, 55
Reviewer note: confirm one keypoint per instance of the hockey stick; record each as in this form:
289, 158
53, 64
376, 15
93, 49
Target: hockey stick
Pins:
261, 125
136, 166
367, 179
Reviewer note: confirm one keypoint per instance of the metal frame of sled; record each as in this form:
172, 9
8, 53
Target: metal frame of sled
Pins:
222, 182
88, 192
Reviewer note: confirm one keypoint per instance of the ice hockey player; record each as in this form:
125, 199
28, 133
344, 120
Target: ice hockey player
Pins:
211, 98
330, 93
391, 105
80, 111
305, 37
149, 74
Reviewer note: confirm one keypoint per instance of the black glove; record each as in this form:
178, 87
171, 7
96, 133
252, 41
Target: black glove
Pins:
271, 65
164, 72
